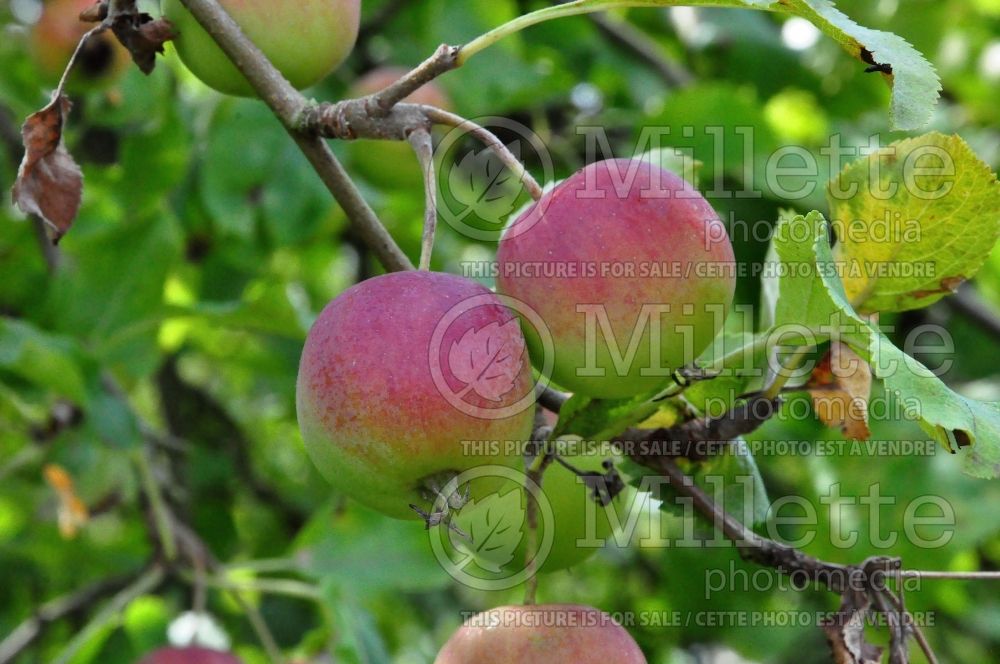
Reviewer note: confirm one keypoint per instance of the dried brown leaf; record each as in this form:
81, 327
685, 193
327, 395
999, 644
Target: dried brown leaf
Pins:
143, 36
845, 630
840, 387
49, 183
95, 13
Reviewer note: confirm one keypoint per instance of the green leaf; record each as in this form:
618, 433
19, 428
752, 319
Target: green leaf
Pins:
356, 639
812, 295
804, 299
675, 161
914, 81
110, 290
926, 237
732, 479
953, 420
340, 549
599, 419
44, 359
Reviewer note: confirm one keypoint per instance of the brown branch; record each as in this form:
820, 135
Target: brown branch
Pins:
444, 59
288, 105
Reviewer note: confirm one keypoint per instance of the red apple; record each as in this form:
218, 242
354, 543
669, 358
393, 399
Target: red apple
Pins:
549, 634
189, 655
399, 374
622, 251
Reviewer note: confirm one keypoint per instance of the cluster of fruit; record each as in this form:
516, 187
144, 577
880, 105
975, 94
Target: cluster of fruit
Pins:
404, 373
407, 378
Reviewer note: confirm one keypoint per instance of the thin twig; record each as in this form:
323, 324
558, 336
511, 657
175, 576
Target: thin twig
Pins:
284, 587
488, 138
55, 610
146, 583
963, 576
918, 634
424, 148
536, 473
639, 43
76, 55
157, 505
971, 305
197, 549
444, 59
897, 628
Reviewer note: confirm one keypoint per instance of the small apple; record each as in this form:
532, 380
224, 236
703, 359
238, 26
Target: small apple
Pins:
304, 39
492, 527
55, 36
402, 378
189, 655
544, 634
631, 270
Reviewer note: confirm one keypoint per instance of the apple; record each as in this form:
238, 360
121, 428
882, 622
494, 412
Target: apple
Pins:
55, 36
575, 517
304, 39
400, 378
391, 163
543, 634
622, 251
189, 655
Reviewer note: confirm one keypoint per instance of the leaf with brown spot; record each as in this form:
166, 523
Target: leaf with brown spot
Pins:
49, 183
143, 36
840, 387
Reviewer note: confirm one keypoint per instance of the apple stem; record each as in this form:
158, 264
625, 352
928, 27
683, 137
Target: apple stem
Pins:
420, 140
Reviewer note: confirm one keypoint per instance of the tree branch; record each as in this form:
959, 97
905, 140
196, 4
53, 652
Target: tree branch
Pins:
288, 104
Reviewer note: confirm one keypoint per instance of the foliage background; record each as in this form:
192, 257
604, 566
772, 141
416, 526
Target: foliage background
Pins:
206, 246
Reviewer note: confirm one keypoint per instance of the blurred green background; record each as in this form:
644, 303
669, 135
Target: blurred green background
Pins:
170, 326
